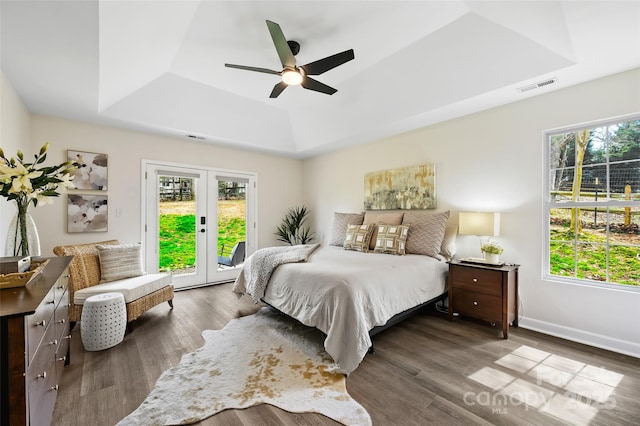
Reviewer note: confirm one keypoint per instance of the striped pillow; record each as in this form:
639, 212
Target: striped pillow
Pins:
119, 261
392, 239
340, 223
358, 237
427, 232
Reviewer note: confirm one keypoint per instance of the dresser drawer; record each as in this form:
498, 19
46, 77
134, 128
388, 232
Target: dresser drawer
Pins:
38, 323
477, 305
60, 287
41, 380
476, 279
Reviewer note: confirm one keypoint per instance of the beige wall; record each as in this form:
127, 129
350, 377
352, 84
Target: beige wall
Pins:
278, 177
15, 133
493, 161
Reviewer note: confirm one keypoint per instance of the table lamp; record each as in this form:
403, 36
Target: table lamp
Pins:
482, 224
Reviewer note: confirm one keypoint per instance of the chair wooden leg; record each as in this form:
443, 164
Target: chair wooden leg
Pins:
170, 302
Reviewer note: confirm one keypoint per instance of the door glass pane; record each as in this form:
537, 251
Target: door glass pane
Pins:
177, 225
232, 220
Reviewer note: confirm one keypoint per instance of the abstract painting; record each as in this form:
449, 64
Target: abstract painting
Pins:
87, 213
92, 170
408, 188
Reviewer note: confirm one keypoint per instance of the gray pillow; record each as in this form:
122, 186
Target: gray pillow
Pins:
340, 223
426, 233
119, 261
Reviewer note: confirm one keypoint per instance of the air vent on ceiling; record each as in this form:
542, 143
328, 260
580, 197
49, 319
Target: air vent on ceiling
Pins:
196, 137
538, 84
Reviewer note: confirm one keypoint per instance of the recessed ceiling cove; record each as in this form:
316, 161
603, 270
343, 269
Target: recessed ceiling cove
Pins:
159, 66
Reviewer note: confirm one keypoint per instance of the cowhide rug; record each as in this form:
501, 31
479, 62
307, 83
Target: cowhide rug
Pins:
264, 358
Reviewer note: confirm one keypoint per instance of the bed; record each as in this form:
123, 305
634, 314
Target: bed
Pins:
348, 295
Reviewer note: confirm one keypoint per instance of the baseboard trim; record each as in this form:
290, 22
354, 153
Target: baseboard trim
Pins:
599, 341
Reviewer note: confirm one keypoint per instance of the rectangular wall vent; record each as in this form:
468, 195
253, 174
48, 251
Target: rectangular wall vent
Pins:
538, 84
196, 137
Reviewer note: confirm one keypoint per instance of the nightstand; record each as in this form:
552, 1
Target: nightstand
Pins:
484, 292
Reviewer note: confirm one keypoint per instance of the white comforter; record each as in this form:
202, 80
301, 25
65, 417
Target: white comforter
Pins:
346, 293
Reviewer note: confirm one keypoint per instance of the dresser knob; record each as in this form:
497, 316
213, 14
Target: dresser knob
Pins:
68, 337
62, 358
42, 376
51, 302
475, 280
62, 321
67, 276
42, 323
55, 388
54, 342
475, 303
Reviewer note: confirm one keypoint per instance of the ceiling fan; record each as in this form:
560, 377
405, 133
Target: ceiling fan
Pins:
293, 74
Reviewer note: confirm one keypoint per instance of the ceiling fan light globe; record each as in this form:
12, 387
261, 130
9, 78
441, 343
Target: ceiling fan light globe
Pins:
292, 77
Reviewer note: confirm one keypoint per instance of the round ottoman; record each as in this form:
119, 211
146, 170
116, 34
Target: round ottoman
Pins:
103, 321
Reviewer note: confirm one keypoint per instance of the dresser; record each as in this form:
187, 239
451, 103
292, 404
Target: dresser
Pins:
484, 292
34, 346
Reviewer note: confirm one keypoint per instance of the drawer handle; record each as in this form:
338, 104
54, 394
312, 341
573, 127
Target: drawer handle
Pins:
475, 303
42, 376
54, 342
62, 321
475, 280
55, 388
68, 336
51, 302
62, 358
60, 287
42, 323
67, 276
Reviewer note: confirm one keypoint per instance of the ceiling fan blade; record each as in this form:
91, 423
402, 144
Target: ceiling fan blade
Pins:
311, 84
330, 62
244, 67
284, 51
277, 89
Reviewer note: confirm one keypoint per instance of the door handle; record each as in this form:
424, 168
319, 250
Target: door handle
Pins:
202, 230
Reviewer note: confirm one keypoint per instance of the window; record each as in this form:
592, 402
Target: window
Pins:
592, 203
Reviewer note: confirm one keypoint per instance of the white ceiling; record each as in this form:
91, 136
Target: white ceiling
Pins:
158, 66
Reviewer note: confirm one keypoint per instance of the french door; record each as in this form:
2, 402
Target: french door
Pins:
194, 217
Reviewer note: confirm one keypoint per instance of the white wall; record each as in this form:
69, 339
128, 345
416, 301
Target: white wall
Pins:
493, 161
15, 133
279, 183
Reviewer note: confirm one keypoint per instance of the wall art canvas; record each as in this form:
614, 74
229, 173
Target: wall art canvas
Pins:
408, 188
92, 170
87, 213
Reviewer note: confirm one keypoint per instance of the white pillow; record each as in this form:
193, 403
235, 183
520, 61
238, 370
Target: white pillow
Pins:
119, 261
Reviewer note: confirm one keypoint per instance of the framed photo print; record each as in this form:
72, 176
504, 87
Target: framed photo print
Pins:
87, 213
92, 170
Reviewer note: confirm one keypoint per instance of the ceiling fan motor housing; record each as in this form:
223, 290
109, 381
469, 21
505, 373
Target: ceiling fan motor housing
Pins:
294, 46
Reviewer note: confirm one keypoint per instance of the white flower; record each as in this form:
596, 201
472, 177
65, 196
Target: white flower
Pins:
491, 247
22, 179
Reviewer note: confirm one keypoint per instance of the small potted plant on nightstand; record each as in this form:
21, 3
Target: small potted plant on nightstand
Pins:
491, 251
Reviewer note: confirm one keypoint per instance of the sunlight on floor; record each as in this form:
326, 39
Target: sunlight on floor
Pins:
566, 389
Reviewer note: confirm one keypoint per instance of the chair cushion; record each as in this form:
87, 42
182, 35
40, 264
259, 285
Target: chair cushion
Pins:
131, 288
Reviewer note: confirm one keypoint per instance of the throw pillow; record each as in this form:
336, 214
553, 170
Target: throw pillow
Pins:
427, 232
383, 217
392, 239
358, 237
119, 261
340, 223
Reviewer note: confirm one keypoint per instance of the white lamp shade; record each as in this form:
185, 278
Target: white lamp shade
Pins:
479, 223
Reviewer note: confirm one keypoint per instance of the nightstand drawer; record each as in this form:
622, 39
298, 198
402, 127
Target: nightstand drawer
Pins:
477, 279
477, 305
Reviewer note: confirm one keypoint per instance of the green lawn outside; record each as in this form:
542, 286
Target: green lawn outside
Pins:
177, 238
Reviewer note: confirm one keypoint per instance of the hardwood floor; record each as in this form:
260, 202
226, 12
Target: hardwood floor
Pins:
426, 370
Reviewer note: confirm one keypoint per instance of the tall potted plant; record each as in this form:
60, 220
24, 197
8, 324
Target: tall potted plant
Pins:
292, 230
26, 184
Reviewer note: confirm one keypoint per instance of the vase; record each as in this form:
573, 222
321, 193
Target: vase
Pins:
491, 258
22, 235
